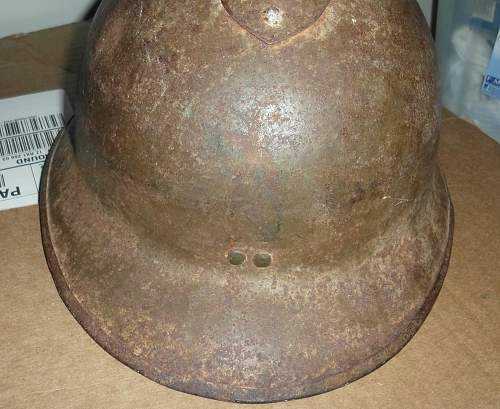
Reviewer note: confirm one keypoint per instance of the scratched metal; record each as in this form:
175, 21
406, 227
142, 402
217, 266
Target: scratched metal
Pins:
248, 206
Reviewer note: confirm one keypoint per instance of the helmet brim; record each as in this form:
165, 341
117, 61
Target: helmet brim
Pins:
222, 332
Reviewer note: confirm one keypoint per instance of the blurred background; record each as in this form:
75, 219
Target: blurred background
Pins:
465, 33
24, 16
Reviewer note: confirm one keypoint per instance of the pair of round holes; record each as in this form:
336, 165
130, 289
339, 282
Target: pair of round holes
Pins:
261, 260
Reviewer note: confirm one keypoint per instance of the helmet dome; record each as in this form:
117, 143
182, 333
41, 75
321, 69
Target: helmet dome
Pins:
248, 205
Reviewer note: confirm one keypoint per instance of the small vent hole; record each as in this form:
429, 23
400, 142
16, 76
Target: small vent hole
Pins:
262, 260
236, 257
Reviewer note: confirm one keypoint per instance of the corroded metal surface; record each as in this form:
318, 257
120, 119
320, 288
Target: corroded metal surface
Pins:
248, 206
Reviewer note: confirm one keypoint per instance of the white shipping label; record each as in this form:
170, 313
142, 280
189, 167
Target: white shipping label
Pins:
29, 125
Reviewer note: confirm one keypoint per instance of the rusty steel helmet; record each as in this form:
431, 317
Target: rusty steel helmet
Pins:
248, 206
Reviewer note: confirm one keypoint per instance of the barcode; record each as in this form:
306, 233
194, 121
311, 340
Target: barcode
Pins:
2, 180
32, 124
27, 143
485, 10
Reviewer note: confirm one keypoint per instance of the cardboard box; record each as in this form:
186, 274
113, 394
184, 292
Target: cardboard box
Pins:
48, 361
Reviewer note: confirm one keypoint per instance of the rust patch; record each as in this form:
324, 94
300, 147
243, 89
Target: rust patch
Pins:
248, 222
